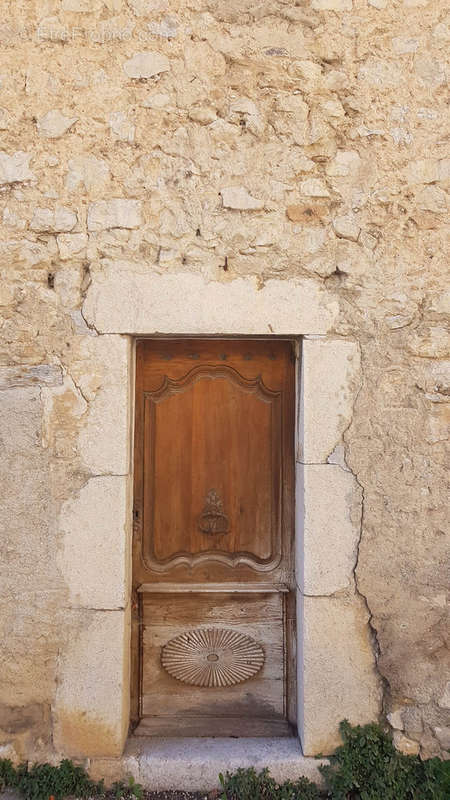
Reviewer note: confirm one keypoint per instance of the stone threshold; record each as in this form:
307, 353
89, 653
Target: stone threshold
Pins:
194, 764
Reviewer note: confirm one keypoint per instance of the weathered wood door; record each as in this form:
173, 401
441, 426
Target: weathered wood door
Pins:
213, 537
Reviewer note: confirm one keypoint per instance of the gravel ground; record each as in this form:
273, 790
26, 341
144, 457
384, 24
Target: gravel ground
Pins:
181, 796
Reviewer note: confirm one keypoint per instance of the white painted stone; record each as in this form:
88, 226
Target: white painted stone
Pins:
15, 168
104, 440
329, 383
93, 173
194, 764
329, 520
314, 187
121, 127
336, 670
129, 298
58, 220
116, 213
95, 522
239, 198
346, 227
71, 244
91, 709
54, 124
146, 65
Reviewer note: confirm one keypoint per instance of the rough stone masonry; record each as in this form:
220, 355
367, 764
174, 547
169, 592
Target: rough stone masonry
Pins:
227, 142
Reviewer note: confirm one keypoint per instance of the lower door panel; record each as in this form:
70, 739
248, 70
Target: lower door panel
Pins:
213, 664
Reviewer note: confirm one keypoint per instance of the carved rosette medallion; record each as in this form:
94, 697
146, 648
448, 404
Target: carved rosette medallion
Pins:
212, 657
213, 520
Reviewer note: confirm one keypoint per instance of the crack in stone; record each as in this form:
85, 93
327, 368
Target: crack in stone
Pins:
373, 630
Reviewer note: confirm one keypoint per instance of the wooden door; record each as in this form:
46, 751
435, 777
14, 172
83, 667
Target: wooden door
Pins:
213, 620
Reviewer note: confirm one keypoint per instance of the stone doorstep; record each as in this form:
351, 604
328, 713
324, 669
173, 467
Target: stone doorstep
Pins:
194, 764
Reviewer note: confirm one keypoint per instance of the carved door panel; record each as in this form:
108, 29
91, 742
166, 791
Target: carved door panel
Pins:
213, 536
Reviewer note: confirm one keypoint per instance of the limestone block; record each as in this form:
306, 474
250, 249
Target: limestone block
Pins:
382, 74
444, 700
146, 65
329, 506
429, 341
15, 168
329, 383
5, 119
443, 737
129, 298
308, 214
71, 245
336, 668
91, 709
7, 293
93, 173
433, 199
143, 8
102, 371
24, 375
116, 213
167, 28
196, 764
345, 162
121, 127
395, 719
95, 523
404, 44
346, 227
54, 124
82, 6
239, 198
157, 100
314, 187
204, 115
332, 5
407, 746
47, 220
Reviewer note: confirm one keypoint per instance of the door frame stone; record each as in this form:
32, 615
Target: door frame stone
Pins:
337, 678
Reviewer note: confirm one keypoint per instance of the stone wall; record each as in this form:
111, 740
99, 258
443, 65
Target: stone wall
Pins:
261, 154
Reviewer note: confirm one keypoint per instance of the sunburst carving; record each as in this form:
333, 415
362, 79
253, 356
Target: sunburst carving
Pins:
212, 657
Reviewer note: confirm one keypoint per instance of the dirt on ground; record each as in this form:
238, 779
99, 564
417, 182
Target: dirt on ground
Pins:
214, 795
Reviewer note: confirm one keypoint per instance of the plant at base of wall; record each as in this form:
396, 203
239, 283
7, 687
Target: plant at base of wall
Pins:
368, 767
247, 784
44, 781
